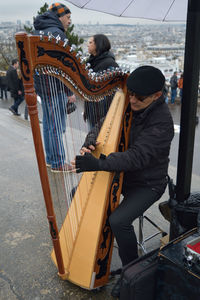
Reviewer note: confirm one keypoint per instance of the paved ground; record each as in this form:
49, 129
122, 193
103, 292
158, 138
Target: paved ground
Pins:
26, 269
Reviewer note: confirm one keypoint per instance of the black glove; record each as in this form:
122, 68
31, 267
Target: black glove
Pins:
89, 141
87, 163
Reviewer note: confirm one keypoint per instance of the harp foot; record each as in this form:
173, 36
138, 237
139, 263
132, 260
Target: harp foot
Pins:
63, 276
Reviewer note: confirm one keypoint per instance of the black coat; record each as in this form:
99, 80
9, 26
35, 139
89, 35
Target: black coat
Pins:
102, 62
146, 160
95, 111
3, 82
14, 83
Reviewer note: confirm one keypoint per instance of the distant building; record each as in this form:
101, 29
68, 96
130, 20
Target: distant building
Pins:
27, 23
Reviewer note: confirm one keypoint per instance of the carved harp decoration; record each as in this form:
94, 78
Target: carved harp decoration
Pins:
82, 239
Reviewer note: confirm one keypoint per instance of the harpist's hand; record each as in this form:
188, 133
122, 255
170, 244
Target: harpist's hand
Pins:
86, 163
88, 149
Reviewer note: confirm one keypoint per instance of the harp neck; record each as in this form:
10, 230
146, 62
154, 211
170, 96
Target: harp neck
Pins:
49, 56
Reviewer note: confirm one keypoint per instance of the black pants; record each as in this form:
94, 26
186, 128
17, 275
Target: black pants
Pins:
136, 201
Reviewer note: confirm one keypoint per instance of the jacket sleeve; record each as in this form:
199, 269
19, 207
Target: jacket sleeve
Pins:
154, 141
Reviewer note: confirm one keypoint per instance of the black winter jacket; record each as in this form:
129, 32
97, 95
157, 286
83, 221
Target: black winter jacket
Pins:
103, 61
49, 22
3, 82
95, 111
14, 83
146, 160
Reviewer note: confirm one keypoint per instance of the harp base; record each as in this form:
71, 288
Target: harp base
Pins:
64, 276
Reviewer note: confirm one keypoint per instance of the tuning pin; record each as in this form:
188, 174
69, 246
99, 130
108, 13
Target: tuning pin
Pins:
58, 38
65, 43
73, 48
50, 36
79, 53
41, 33
87, 66
90, 71
82, 59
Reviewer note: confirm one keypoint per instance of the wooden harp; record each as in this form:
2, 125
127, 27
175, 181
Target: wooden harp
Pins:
82, 248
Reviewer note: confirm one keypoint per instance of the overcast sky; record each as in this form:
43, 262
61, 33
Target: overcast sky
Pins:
12, 10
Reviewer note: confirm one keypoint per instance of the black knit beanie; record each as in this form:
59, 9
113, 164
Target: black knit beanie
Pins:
146, 80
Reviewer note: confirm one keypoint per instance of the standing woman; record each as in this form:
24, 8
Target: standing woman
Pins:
100, 59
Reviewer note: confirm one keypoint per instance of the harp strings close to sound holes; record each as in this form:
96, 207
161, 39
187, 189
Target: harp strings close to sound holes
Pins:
71, 132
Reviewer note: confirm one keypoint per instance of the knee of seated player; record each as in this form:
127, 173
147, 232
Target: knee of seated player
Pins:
118, 224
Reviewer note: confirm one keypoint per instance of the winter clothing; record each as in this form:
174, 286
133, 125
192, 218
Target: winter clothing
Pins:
144, 163
52, 103
3, 86
174, 81
49, 22
180, 86
15, 85
93, 112
180, 83
102, 62
146, 160
59, 9
145, 167
141, 83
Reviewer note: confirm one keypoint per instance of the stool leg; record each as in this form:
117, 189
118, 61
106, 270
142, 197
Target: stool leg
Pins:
142, 249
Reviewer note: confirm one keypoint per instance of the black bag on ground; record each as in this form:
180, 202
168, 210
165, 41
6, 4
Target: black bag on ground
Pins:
182, 216
178, 275
71, 107
138, 279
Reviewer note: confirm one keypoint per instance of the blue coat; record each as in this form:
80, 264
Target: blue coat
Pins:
49, 22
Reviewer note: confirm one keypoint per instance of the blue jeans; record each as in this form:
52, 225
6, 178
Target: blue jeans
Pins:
54, 124
173, 95
181, 94
17, 101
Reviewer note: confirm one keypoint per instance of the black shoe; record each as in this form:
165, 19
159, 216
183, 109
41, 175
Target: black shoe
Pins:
13, 111
116, 289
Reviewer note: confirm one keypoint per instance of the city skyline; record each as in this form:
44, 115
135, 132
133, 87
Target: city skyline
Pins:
23, 10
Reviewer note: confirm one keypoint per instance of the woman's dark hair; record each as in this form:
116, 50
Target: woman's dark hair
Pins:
14, 61
102, 43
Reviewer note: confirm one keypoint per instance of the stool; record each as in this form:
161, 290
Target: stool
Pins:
141, 240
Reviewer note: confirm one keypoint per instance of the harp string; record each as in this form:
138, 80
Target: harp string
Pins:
68, 181
71, 133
